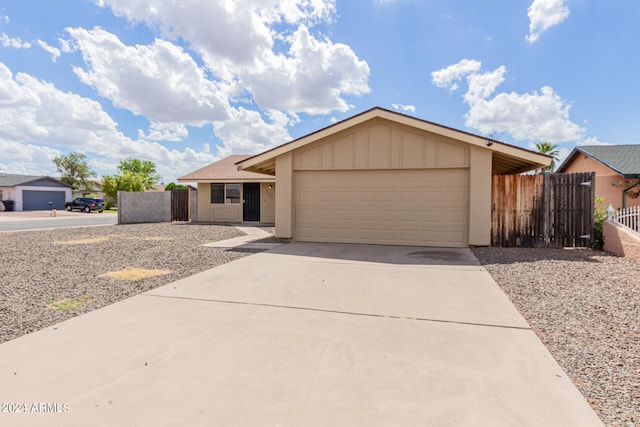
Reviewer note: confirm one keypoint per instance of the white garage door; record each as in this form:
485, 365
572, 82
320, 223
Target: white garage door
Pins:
401, 207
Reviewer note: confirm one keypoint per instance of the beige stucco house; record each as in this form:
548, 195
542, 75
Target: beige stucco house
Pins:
617, 169
382, 177
227, 194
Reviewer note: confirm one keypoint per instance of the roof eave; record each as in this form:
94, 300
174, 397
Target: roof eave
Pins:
265, 162
577, 150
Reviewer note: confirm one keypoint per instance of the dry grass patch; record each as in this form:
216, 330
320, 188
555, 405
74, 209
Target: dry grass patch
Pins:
132, 274
87, 241
68, 304
96, 240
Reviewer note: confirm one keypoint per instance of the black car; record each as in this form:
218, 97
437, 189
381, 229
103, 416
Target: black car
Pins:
86, 204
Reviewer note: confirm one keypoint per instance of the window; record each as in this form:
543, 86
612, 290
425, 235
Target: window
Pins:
225, 193
232, 193
217, 193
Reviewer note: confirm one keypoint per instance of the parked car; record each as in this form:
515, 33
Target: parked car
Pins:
86, 204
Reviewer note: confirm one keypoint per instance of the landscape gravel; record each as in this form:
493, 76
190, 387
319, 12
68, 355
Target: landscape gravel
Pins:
585, 307
38, 268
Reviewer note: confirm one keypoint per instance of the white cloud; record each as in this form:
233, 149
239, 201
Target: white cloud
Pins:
55, 52
246, 132
539, 115
13, 42
265, 47
165, 132
35, 113
402, 107
66, 45
159, 81
592, 141
447, 77
544, 14
481, 86
312, 79
26, 159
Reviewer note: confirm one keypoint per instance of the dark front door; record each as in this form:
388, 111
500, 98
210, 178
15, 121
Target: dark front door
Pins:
251, 200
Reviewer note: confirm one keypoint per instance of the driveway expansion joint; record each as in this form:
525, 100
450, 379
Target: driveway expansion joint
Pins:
349, 313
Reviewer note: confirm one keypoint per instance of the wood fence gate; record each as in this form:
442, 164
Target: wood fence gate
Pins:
180, 205
543, 210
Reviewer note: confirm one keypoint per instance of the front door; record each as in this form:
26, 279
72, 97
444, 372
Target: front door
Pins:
251, 201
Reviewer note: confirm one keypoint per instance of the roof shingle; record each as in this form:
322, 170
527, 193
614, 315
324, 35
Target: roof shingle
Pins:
14, 180
225, 169
624, 159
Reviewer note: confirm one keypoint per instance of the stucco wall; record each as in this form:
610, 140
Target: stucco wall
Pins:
233, 212
267, 203
609, 185
284, 201
140, 207
480, 197
620, 241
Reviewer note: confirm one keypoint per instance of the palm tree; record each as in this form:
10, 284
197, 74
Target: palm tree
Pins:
549, 149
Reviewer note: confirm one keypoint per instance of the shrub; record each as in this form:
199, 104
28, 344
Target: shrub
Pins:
172, 185
599, 217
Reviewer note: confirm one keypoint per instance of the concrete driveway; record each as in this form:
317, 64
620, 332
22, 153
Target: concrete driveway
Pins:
305, 334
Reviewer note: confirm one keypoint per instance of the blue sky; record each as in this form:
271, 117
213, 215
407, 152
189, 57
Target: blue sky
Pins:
185, 83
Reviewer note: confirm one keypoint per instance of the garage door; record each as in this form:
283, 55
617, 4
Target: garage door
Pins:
38, 200
402, 207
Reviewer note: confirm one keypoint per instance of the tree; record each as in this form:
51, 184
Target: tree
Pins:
74, 170
173, 186
135, 175
144, 168
549, 149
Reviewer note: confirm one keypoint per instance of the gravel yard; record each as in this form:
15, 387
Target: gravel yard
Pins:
51, 275
585, 306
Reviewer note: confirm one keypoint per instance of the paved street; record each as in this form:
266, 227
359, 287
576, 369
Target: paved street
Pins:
38, 220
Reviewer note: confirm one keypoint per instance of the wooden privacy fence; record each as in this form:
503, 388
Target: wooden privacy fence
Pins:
542, 210
180, 204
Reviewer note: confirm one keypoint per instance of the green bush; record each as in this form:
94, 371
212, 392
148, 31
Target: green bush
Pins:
599, 217
172, 185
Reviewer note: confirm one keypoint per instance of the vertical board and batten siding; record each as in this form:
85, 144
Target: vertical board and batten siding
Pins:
543, 210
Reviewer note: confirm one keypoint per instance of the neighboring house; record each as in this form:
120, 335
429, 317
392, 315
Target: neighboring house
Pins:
382, 177
617, 169
226, 194
157, 187
32, 193
84, 192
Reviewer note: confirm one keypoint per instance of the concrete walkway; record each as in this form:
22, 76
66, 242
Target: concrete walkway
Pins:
248, 241
304, 334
